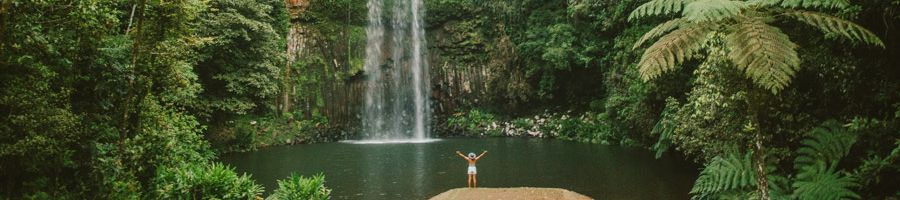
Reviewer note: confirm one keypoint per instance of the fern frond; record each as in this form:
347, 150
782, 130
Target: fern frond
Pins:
764, 54
833, 25
672, 49
821, 182
665, 127
807, 4
712, 10
659, 30
725, 176
658, 7
827, 143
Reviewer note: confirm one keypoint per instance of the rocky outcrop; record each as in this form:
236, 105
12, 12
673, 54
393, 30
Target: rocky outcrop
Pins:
510, 193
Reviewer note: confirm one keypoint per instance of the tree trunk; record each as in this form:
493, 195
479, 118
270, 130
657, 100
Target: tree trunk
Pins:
762, 184
132, 92
754, 100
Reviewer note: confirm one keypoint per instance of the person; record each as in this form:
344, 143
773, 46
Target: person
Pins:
473, 182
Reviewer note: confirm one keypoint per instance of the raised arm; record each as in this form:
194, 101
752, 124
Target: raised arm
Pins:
479, 156
461, 155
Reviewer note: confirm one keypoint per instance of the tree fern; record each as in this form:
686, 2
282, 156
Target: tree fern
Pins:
725, 176
827, 143
807, 4
658, 7
712, 10
821, 182
764, 54
659, 30
833, 25
672, 49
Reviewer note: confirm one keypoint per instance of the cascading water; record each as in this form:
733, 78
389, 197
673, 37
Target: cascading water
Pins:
396, 104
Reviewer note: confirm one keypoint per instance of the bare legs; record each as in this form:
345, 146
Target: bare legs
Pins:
472, 182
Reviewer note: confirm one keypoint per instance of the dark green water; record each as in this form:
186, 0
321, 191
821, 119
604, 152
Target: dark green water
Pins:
422, 170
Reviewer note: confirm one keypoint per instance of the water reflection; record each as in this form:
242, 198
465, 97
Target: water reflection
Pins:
422, 170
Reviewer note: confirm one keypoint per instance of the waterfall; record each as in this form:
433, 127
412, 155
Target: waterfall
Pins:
397, 96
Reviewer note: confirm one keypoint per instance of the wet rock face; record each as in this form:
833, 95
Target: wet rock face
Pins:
296, 6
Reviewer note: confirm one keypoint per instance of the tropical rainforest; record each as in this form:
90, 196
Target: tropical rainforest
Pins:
137, 99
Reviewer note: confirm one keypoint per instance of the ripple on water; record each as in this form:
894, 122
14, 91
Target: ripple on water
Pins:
400, 141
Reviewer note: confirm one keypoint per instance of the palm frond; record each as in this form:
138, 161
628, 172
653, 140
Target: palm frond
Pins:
712, 10
658, 7
659, 30
672, 49
729, 175
827, 143
763, 53
833, 25
821, 182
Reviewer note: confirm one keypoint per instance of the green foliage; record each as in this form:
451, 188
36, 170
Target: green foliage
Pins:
665, 127
816, 164
473, 122
725, 175
588, 127
836, 26
826, 143
818, 177
672, 50
713, 106
820, 181
299, 187
712, 10
658, 31
247, 133
808, 4
658, 7
203, 181
764, 54
97, 96
236, 82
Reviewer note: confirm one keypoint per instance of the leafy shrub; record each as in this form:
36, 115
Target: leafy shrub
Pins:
588, 127
473, 122
203, 181
244, 135
818, 177
299, 187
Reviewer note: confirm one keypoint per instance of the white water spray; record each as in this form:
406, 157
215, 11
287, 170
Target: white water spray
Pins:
397, 103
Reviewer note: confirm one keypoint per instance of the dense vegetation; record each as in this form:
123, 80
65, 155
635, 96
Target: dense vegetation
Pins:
116, 99
750, 88
111, 99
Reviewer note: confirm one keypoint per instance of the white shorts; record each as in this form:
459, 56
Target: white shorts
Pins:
472, 170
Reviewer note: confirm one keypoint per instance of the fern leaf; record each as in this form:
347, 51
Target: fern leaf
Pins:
833, 25
671, 50
658, 7
827, 143
725, 176
821, 182
807, 4
659, 30
712, 10
764, 54
665, 127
